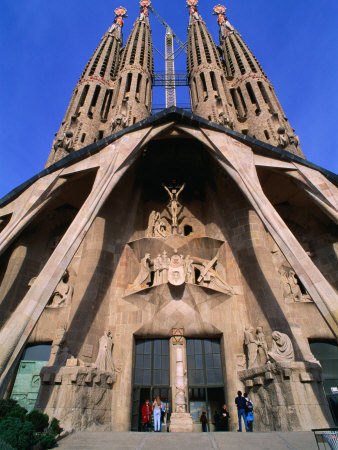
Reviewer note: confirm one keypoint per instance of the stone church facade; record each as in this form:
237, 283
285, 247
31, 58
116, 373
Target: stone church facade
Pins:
186, 255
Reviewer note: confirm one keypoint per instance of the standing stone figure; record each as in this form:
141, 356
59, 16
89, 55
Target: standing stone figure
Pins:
174, 206
62, 294
262, 346
144, 274
104, 360
251, 344
189, 270
165, 266
282, 349
158, 270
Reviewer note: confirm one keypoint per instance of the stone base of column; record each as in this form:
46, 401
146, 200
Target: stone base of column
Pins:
180, 423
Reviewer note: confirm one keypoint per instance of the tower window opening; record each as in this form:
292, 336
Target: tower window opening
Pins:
198, 52
133, 51
214, 83
237, 56
242, 99
267, 134
106, 103
128, 83
265, 96
97, 59
142, 48
205, 44
83, 137
196, 90
82, 99
228, 61
204, 85
114, 64
246, 54
106, 59
146, 96
94, 101
253, 98
138, 86
100, 135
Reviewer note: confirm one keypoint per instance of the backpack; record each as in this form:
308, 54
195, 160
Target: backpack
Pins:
249, 406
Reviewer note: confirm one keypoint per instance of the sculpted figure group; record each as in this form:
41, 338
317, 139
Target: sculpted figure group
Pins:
257, 348
179, 269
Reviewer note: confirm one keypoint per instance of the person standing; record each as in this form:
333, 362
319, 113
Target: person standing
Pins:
146, 415
225, 416
157, 405
249, 413
204, 422
217, 418
241, 403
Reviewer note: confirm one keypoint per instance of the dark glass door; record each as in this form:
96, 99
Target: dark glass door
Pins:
151, 377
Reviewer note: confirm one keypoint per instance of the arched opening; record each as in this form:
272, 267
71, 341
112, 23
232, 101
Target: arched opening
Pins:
187, 230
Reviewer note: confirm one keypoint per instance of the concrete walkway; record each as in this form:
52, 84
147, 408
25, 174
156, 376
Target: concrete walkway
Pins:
303, 440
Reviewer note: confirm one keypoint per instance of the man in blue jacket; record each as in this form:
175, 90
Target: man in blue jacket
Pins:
241, 402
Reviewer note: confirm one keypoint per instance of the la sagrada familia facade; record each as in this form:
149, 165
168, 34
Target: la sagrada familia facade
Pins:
180, 254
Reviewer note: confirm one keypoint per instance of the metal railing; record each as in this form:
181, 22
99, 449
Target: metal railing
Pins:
170, 81
326, 438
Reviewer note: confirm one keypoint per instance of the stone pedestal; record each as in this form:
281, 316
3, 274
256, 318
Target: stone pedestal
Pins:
180, 423
80, 397
287, 396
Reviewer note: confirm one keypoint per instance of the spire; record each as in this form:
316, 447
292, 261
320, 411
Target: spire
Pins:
209, 93
85, 120
259, 113
132, 100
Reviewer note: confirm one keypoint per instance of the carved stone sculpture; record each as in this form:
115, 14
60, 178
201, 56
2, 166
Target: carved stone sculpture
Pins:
282, 349
262, 356
189, 270
158, 270
251, 343
65, 144
104, 360
59, 352
62, 294
144, 274
291, 289
165, 266
176, 273
174, 206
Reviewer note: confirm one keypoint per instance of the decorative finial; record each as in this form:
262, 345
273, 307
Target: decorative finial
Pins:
219, 10
120, 13
192, 4
144, 7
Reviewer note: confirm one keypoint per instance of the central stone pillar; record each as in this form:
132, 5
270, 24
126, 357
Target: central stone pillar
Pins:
180, 420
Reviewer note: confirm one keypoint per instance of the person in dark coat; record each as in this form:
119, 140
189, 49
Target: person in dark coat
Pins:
217, 419
146, 415
204, 421
224, 419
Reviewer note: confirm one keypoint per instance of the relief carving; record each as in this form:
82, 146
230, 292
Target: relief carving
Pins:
104, 360
257, 348
291, 289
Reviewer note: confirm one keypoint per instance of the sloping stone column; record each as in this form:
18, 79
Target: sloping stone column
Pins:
237, 160
19, 326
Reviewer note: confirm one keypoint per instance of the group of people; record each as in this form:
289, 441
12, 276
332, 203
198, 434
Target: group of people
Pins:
157, 410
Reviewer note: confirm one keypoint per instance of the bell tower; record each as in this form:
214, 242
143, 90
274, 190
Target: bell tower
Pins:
259, 113
86, 118
209, 94
133, 96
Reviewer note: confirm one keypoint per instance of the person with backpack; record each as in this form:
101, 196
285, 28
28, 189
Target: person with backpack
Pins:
241, 403
249, 413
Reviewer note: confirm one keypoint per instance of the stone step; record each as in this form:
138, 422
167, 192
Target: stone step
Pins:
302, 440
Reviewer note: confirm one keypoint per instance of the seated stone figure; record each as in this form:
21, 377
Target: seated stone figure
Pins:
282, 350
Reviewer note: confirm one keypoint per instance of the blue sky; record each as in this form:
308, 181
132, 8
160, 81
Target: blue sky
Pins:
45, 45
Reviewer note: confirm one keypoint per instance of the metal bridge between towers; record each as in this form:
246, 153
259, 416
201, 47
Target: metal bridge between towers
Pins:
170, 80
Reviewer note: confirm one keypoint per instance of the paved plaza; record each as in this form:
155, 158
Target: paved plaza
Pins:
194, 441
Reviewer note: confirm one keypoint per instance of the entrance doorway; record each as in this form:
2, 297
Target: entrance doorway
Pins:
205, 378
27, 382
151, 378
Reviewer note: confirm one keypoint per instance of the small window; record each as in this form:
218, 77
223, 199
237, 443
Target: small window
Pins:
83, 137
187, 230
100, 135
267, 134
